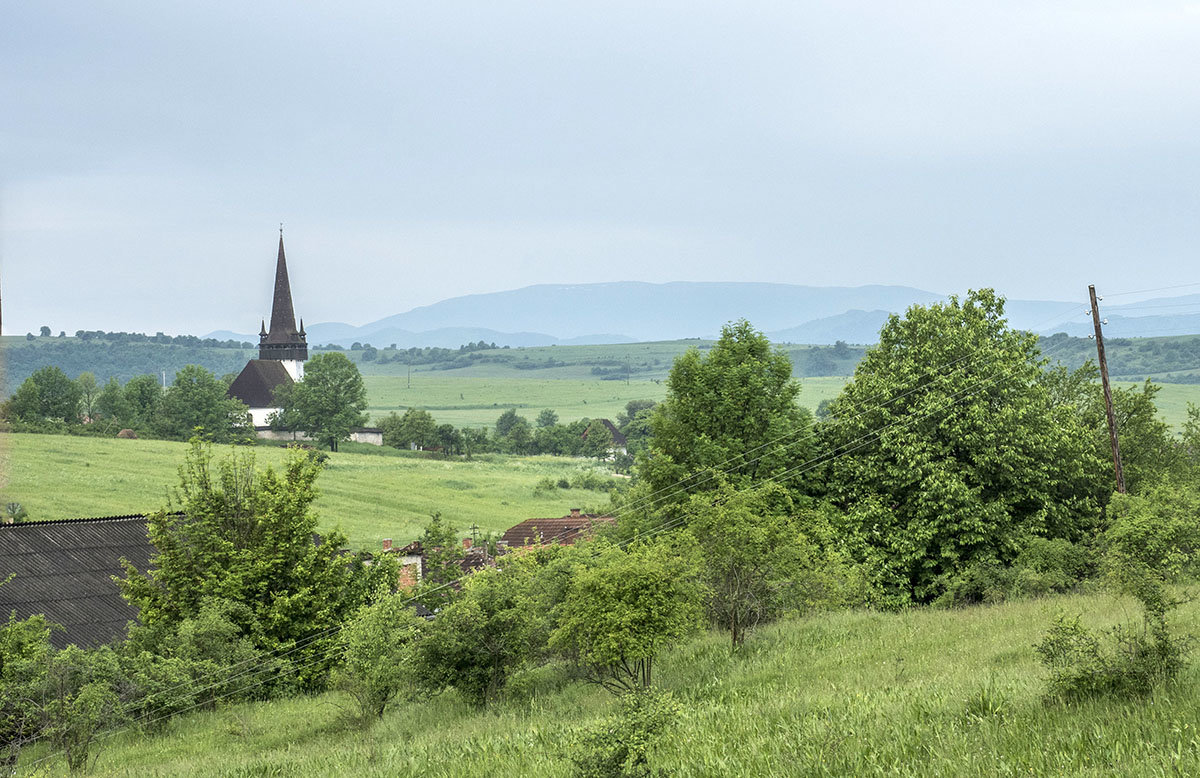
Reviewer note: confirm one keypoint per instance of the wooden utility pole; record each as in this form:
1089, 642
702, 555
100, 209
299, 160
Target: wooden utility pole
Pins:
1108, 406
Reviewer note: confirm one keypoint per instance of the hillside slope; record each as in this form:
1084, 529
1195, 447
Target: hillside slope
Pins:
920, 693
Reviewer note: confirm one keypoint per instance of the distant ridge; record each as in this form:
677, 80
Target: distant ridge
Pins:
630, 311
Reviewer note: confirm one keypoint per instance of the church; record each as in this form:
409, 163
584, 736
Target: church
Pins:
282, 351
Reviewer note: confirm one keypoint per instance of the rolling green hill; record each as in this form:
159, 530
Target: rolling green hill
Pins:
382, 493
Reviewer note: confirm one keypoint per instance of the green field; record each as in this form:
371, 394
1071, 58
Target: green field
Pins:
371, 496
918, 693
477, 402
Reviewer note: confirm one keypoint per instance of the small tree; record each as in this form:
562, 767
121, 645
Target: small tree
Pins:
547, 418
45, 331
197, 400
24, 653
247, 536
89, 390
378, 654
620, 613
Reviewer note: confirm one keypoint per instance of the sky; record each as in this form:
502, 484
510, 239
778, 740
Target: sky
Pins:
419, 151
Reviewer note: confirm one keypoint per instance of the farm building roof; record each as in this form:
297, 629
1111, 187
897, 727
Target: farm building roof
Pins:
256, 384
64, 569
564, 531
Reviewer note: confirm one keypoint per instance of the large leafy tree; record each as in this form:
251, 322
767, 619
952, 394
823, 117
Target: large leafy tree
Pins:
47, 395
197, 401
247, 536
733, 411
950, 449
329, 402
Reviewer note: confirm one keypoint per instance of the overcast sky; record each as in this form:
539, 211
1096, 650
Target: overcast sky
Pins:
417, 151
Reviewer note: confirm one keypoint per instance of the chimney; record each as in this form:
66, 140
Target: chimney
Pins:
466, 543
387, 544
575, 513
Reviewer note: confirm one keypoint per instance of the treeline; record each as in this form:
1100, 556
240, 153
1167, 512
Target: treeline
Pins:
195, 402
122, 357
514, 434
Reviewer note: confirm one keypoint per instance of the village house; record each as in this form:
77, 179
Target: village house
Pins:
563, 531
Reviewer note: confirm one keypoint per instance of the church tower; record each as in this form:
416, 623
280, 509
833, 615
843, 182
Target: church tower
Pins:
284, 342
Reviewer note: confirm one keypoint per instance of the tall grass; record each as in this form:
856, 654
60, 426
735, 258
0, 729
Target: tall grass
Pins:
920, 693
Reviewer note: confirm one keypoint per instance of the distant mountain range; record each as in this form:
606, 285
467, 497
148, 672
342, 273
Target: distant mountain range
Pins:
626, 312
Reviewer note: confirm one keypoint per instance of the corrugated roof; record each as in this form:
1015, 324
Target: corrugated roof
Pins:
64, 569
256, 384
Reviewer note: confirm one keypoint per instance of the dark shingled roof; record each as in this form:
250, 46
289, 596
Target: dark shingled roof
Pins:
64, 570
563, 531
255, 385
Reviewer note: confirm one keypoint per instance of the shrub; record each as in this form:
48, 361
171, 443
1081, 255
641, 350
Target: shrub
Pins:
377, 653
622, 745
1131, 662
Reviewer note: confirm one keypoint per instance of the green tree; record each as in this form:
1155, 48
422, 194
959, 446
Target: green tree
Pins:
478, 640
111, 404
507, 420
620, 613
45, 331
763, 557
197, 400
330, 401
247, 536
733, 410
89, 390
951, 451
143, 395
442, 563
598, 440
47, 395
24, 653
378, 654
416, 427
547, 418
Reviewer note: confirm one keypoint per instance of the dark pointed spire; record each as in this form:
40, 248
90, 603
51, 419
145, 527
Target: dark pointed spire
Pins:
282, 341
283, 317
262, 332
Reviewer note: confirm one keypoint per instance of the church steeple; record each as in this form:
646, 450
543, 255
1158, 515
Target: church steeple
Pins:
283, 341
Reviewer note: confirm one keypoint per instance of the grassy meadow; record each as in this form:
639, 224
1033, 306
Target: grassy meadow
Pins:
477, 402
371, 493
917, 693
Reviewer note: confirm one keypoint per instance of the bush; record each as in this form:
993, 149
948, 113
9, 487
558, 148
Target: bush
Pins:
1130, 663
377, 650
1047, 566
622, 745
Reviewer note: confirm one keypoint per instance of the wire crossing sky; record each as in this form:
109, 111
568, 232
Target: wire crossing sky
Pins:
418, 151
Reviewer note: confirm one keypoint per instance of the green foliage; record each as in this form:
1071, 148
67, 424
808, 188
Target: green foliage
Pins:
15, 512
79, 701
763, 558
952, 451
625, 609
24, 653
378, 658
329, 402
622, 745
47, 395
415, 428
443, 556
247, 536
547, 418
481, 637
1152, 541
197, 401
732, 409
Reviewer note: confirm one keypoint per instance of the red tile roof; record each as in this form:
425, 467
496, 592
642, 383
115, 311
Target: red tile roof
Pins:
564, 531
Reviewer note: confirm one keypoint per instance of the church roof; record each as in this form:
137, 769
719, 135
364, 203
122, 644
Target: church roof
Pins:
283, 315
255, 385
